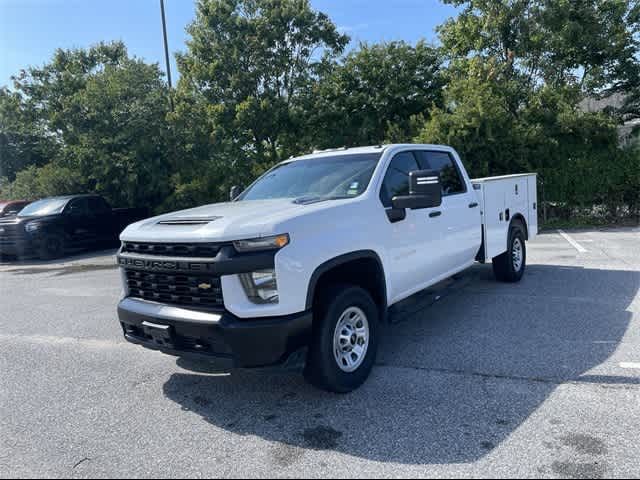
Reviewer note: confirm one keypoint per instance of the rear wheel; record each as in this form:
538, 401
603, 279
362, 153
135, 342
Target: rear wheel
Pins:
345, 339
52, 246
510, 266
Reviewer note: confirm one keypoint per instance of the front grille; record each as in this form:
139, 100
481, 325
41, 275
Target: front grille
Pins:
10, 235
188, 250
202, 291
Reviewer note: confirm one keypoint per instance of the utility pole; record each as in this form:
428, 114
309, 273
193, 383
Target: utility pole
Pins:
166, 53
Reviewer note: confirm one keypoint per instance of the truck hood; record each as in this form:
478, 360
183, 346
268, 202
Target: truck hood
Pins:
219, 222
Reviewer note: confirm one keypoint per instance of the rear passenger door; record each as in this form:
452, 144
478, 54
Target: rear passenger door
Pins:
102, 221
460, 218
79, 230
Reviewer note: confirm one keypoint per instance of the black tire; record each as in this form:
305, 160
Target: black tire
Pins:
52, 247
322, 369
505, 266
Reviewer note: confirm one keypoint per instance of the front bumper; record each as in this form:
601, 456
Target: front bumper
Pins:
18, 247
238, 343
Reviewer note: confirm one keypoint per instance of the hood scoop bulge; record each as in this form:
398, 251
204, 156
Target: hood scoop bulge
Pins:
188, 222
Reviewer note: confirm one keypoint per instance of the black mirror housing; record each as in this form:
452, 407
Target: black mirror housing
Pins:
425, 191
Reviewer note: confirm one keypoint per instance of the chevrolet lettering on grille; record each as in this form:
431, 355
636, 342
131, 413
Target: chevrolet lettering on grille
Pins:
164, 265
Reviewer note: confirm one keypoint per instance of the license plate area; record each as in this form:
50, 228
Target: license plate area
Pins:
160, 334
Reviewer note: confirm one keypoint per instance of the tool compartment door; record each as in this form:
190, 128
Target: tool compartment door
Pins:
495, 226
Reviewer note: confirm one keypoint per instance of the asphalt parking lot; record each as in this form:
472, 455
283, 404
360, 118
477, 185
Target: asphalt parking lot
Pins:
538, 379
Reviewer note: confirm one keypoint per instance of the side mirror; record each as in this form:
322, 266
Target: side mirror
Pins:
235, 192
425, 191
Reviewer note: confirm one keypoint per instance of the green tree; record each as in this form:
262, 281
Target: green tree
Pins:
240, 100
22, 142
105, 113
46, 92
34, 115
576, 153
517, 72
119, 139
39, 182
250, 61
479, 119
589, 43
375, 95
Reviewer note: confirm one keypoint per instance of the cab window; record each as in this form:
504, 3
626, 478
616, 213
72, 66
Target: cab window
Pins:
78, 207
98, 206
396, 180
450, 177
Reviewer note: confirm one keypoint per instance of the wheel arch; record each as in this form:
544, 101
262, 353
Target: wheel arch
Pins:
363, 268
519, 218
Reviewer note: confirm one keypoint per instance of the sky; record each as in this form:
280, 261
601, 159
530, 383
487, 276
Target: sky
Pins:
30, 30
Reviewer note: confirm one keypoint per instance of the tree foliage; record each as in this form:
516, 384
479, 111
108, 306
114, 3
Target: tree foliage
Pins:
22, 141
262, 80
518, 70
375, 94
250, 61
94, 115
589, 43
118, 134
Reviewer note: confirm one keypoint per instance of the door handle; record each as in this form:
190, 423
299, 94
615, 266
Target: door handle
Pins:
473, 205
435, 214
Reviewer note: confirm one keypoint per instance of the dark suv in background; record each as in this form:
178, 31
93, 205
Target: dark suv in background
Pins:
50, 228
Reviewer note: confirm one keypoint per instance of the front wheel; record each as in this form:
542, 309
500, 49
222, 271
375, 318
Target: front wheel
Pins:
510, 266
345, 339
52, 247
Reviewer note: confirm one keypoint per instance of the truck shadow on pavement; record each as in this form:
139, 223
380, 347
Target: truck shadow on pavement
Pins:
452, 382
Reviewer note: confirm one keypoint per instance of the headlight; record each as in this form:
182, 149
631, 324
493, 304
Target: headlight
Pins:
32, 227
265, 243
261, 286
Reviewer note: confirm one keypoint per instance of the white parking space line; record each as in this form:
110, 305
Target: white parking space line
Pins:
630, 365
573, 243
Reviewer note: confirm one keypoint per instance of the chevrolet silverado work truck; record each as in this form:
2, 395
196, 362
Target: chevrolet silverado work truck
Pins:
302, 266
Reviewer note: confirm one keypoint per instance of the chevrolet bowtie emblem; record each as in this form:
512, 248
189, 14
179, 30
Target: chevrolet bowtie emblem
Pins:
204, 286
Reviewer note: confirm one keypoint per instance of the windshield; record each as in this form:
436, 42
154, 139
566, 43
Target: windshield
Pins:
44, 207
342, 176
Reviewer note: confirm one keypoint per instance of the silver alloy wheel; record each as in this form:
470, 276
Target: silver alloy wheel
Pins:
517, 254
351, 339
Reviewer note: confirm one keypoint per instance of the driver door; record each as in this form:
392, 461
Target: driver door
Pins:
413, 242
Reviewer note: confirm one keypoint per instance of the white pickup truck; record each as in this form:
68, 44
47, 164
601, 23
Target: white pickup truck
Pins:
304, 263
